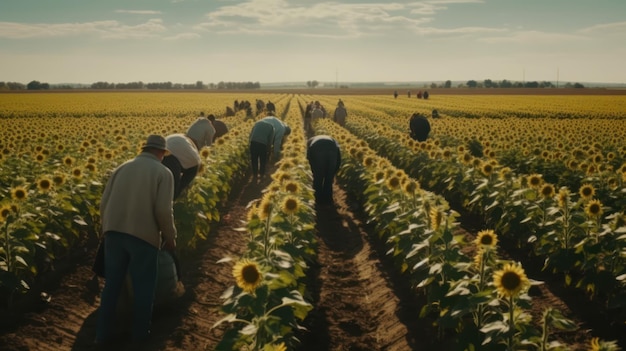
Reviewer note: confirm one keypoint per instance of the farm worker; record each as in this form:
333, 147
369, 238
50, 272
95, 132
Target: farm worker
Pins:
219, 126
420, 127
435, 113
183, 161
324, 158
270, 107
281, 130
261, 139
201, 132
308, 117
340, 114
137, 220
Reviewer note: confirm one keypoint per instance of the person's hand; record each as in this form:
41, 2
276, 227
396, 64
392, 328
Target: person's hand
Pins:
169, 245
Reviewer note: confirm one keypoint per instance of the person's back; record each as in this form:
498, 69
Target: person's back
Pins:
317, 113
420, 127
262, 132
324, 156
201, 131
340, 115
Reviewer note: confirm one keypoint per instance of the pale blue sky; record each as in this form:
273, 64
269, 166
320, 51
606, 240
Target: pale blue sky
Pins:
183, 41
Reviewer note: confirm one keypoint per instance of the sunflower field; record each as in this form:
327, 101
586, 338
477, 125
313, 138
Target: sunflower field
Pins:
545, 175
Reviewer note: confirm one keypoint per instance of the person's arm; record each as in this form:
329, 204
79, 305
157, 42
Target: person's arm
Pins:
164, 211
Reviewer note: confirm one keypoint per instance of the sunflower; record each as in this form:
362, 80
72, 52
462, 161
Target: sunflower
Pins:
292, 187
68, 161
290, 205
436, 218
393, 182
265, 207
380, 175
368, 161
44, 184
563, 197
547, 191
58, 179
411, 187
19, 193
5, 212
77, 173
205, 152
505, 173
247, 275
599, 345
587, 191
486, 238
40, 157
486, 169
534, 181
594, 209
511, 280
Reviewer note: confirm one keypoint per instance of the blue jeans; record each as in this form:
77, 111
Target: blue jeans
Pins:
124, 253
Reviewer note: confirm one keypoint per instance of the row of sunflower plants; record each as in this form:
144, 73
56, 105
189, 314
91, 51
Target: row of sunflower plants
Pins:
573, 233
51, 180
475, 303
264, 307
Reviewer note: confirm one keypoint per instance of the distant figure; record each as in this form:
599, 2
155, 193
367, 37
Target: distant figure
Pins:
260, 106
340, 114
317, 111
425, 95
420, 127
261, 139
395, 94
435, 113
324, 158
219, 126
419, 94
308, 117
270, 107
408, 93
229, 112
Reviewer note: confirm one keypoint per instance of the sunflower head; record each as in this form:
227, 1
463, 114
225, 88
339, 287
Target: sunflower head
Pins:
563, 197
505, 173
486, 238
411, 187
5, 212
393, 182
44, 184
587, 191
486, 169
511, 280
436, 217
247, 275
19, 193
547, 191
292, 187
534, 181
265, 207
594, 209
290, 205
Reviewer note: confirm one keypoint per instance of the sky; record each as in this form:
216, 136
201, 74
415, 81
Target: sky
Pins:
271, 41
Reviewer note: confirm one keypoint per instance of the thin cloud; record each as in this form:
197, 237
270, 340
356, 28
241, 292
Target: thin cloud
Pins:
606, 28
533, 37
105, 29
140, 12
183, 36
326, 19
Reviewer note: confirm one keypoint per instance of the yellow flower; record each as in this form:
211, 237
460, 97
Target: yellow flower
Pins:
486, 169
511, 280
435, 218
411, 187
534, 181
393, 182
594, 209
5, 212
587, 191
265, 207
292, 187
19, 193
68, 161
505, 173
290, 205
547, 191
44, 184
58, 179
77, 173
600, 345
486, 238
247, 275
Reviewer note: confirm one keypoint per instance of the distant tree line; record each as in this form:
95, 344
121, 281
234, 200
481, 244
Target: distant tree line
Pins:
36, 85
199, 85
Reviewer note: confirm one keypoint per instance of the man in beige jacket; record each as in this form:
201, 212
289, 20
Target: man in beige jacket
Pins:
137, 220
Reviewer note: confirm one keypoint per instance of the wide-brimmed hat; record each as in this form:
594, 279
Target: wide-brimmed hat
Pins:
156, 142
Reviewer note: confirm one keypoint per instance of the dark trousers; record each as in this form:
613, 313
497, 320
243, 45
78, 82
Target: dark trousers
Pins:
258, 157
323, 161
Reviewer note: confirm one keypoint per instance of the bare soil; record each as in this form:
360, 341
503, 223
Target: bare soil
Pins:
360, 303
